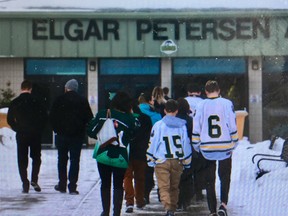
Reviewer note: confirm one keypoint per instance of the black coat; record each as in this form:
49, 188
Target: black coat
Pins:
70, 114
189, 123
27, 114
140, 142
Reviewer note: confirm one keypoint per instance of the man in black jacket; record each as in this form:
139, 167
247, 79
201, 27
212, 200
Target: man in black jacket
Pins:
69, 116
27, 116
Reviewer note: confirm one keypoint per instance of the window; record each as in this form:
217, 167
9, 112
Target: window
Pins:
129, 66
55, 67
209, 66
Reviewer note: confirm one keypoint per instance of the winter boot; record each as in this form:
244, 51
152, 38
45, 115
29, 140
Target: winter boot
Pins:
117, 201
105, 196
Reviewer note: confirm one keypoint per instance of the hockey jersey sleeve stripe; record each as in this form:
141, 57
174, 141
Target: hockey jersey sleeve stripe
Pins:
217, 146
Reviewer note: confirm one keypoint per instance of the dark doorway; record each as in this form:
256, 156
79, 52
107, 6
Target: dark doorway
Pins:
47, 88
132, 84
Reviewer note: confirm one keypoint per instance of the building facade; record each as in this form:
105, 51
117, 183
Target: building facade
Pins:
246, 51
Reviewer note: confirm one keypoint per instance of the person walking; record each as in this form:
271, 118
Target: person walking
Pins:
198, 163
146, 105
134, 179
215, 137
166, 92
125, 125
186, 186
69, 116
159, 100
27, 116
193, 96
169, 151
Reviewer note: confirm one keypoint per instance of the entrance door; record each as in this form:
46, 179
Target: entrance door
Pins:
134, 85
230, 73
48, 88
49, 77
131, 75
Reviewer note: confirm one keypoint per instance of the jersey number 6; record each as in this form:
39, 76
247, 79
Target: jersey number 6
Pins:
214, 128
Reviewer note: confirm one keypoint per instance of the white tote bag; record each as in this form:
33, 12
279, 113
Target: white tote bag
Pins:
107, 134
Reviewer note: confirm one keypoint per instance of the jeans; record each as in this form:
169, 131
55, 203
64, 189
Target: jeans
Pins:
68, 148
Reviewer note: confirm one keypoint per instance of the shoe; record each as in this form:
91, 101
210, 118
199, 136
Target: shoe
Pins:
74, 192
61, 190
36, 186
25, 187
180, 207
222, 211
170, 213
129, 209
140, 207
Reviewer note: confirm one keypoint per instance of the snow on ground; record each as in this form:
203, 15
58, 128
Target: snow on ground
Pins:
266, 196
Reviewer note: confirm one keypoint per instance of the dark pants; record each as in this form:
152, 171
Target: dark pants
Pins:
149, 182
106, 173
24, 141
68, 146
224, 173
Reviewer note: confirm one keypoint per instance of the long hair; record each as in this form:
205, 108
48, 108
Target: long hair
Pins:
158, 95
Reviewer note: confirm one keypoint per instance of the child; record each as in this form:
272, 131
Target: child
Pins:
169, 151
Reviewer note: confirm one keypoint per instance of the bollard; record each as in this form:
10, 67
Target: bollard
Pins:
240, 120
3, 120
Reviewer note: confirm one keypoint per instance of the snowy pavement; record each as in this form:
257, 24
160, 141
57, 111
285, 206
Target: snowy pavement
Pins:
266, 196
52, 203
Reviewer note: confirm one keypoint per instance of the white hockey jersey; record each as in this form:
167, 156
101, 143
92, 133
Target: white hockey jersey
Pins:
169, 140
214, 128
193, 101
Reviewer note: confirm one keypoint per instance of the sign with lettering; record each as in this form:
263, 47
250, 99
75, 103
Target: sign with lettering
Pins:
198, 36
193, 29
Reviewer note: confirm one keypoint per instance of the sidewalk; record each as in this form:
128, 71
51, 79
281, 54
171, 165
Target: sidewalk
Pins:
52, 203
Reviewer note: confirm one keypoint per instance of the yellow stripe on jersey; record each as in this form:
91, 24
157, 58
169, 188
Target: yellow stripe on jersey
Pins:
218, 146
195, 139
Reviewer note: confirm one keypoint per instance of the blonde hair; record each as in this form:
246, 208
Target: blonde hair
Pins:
158, 95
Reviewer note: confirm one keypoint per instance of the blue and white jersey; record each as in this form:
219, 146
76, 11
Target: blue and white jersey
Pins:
215, 128
169, 140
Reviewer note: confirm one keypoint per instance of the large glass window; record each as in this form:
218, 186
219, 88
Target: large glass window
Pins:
231, 74
55, 67
129, 66
275, 96
209, 66
131, 75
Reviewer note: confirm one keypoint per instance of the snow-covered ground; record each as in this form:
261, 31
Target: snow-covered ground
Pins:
266, 196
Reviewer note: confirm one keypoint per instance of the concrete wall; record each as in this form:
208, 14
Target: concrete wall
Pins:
255, 101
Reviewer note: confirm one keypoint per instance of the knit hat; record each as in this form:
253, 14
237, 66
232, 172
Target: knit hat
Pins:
72, 85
